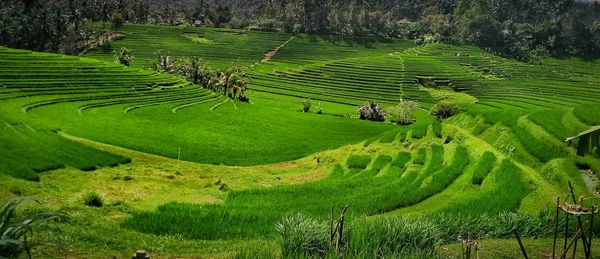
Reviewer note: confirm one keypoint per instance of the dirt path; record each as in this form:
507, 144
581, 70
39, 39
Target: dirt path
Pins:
590, 180
85, 46
270, 54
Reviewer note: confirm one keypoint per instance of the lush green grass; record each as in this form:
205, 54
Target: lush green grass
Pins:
505, 191
219, 47
250, 213
134, 109
484, 167
358, 162
521, 116
27, 151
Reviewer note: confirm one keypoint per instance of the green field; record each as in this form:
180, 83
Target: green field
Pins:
188, 172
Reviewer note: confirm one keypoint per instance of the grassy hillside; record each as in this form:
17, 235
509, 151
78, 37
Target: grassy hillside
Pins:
155, 113
209, 176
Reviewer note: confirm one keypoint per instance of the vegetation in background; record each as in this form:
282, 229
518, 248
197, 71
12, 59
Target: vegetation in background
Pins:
522, 29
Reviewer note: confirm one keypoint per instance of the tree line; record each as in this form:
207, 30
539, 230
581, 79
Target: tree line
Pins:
523, 29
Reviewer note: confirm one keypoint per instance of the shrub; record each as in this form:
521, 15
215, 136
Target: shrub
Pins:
125, 57
484, 167
444, 109
358, 162
319, 110
302, 236
371, 111
306, 104
117, 20
16, 235
93, 199
404, 112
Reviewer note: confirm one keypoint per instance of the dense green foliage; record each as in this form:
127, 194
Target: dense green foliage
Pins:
526, 30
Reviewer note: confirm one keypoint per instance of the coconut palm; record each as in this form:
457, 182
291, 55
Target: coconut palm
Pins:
233, 82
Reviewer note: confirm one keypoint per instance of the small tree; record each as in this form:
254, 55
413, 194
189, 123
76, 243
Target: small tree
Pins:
444, 109
319, 109
124, 57
404, 112
233, 82
194, 69
117, 20
165, 63
371, 111
306, 104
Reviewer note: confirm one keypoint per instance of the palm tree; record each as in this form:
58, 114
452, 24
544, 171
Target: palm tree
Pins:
233, 81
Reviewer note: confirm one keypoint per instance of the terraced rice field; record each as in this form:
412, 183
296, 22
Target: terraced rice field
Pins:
220, 48
227, 171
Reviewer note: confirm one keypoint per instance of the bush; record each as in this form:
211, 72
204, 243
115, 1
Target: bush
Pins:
93, 199
444, 109
319, 110
125, 57
16, 235
117, 20
302, 236
371, 111
403, 113
306, 104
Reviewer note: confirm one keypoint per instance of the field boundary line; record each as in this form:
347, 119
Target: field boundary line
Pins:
187, 105
218, 104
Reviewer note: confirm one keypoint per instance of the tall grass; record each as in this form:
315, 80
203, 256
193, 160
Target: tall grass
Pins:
420, 156
358, 161
535, 147
484, 166
506, 189
249, 213
401, 236
380, 162
393, 237
301, 235
17, 232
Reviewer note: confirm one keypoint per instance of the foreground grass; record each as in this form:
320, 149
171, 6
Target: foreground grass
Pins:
509, 248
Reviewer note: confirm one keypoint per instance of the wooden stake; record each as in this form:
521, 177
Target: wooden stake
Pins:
556, 226
520, 244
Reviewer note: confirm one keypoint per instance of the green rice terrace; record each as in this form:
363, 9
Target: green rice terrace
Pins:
144, 159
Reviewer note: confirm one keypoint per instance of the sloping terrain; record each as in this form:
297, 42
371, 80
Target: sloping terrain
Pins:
209, 175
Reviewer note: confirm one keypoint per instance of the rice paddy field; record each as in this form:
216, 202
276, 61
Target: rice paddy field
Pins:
186, 172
